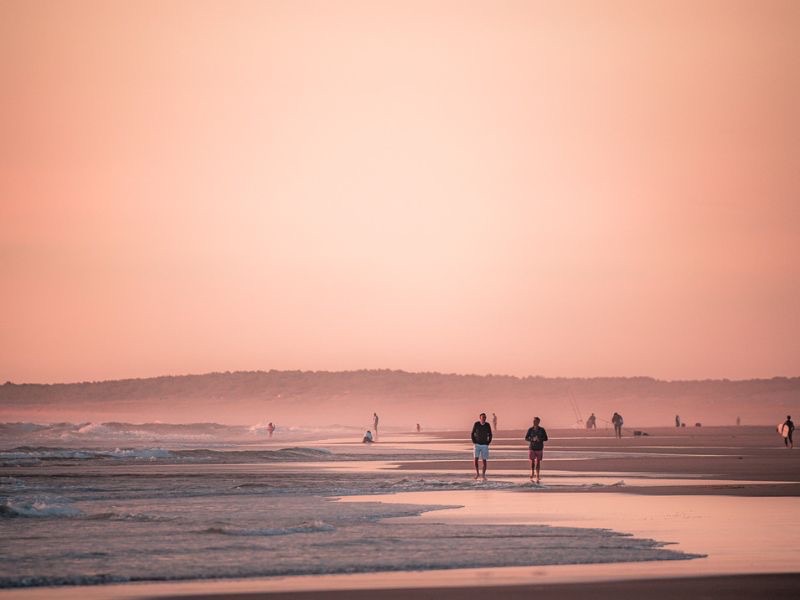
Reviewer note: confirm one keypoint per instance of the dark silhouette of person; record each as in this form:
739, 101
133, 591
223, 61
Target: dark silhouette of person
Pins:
617, 420
787, 441
537, 436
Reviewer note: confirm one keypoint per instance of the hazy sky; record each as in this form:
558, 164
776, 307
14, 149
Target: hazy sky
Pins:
554, 188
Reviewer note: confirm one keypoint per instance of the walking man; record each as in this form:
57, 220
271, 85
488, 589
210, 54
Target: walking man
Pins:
481, 438
788, 427
494, 421
617, 421
375, 423
537, 436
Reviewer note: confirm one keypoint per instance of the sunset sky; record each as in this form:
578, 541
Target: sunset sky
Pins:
578, 188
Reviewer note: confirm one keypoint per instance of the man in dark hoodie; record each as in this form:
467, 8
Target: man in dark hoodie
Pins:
481, 438
537, 436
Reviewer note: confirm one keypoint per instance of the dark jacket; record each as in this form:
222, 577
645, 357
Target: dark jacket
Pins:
536, 432
481, 433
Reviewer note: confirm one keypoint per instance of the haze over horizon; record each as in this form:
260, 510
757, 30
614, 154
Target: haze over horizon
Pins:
566, 189
446, 373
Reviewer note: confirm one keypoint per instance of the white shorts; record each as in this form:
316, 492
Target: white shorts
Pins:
482, 451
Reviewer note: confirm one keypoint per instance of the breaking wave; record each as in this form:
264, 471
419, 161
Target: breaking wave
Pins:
38, 506
308, 527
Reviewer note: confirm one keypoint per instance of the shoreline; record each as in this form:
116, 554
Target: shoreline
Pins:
734, 479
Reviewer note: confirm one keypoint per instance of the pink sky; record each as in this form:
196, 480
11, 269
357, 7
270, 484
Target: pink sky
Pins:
554, 188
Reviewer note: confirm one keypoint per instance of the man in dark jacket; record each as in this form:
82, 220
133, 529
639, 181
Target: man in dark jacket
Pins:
481, 438
788, 427
537, 436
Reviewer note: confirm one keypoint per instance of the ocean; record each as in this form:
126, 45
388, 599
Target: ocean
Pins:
115, 502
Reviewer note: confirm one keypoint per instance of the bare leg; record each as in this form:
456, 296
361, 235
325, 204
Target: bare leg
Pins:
532, 470
477, 472
484, 468
538, 466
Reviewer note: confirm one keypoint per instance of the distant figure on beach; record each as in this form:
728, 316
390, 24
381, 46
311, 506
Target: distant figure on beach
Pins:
481, 438
270, 428
537, 436
591, 422
738, 421
788, 429
616, 419
418, 428
677, 421
375, 423
367, 438
494, 421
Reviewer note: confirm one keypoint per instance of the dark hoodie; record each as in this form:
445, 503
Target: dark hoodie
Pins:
481, 433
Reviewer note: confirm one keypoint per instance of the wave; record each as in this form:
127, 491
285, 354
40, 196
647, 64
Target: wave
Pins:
133, 517
173, 432
27, 455
308, 527
38, 506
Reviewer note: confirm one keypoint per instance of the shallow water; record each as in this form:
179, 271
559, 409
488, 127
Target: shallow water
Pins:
107, 513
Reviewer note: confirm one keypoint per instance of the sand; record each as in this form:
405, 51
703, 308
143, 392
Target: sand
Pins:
773, 587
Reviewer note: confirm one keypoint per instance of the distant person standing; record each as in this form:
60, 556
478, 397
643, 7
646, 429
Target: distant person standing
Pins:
591, 422
738, 421
788, 428
537, 436
677, 421
418, 428
375, 423
271, 428
481, 438
617, 420
494, 421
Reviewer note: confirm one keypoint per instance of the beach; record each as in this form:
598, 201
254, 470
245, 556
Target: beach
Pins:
710, 510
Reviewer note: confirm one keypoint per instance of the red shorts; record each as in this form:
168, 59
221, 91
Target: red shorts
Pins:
535, 455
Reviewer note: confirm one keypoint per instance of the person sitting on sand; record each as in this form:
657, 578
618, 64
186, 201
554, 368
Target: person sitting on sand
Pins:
367, 438
537, 436
787, 441
481, 438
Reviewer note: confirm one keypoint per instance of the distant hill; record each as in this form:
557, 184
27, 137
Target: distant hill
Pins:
435, 400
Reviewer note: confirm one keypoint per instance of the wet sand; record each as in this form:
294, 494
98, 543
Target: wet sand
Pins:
774, 587
739, 454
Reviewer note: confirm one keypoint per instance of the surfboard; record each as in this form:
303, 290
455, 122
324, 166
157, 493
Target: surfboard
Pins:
783, 430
